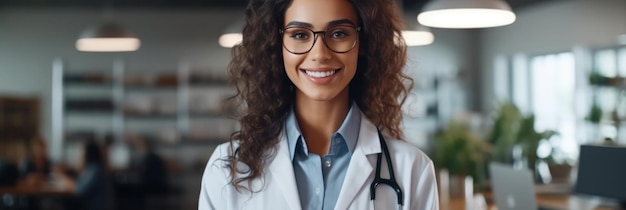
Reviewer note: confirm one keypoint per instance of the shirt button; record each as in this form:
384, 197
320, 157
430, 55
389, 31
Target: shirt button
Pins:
318, 190
327, 164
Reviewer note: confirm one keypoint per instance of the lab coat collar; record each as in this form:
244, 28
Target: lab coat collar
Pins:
283, 175
360, 168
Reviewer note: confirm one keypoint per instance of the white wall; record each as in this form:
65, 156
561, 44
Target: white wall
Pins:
30, 39
452, 59
552, 27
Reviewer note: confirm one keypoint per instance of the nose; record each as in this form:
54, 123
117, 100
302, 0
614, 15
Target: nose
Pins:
319, 51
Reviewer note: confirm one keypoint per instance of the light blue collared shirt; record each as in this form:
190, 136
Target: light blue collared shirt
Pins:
319, 179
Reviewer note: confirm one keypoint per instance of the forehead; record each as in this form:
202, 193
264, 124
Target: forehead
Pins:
320, 12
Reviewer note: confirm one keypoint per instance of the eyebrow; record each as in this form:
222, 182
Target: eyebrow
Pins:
331, 23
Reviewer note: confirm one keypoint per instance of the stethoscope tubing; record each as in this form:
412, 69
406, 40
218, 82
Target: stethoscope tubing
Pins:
391, 182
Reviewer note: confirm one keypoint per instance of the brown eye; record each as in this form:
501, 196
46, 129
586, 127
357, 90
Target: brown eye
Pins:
298, 34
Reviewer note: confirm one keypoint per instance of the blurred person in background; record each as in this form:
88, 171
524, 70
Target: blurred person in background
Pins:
93, 185
36, 167
149, 167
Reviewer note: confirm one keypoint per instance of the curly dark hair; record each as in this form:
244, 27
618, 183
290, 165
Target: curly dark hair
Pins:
266, 94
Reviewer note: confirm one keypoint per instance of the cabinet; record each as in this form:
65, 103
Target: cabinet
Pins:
19, 125
172, 107
19, 118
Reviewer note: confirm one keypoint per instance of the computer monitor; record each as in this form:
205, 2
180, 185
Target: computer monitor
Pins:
602, 172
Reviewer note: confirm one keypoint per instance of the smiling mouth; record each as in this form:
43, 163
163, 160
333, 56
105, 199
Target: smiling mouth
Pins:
320, 74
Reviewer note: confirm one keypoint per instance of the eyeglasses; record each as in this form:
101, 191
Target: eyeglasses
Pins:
339, 38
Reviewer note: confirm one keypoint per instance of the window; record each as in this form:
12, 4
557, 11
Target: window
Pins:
547, 86
552, 83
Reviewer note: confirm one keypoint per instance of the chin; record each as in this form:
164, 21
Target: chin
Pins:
321, 95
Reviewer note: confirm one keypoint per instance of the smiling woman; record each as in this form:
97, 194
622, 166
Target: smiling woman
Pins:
322, 87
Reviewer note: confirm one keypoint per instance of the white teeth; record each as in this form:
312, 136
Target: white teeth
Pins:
320, 74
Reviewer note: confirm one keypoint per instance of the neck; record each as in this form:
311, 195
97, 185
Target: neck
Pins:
318, 120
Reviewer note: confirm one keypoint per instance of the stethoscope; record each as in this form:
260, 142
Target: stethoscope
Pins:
391, 182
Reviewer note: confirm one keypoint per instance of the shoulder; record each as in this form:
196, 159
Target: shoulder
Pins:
408, 154
217, 170
217, 190
418, 174
217, 163
215, 177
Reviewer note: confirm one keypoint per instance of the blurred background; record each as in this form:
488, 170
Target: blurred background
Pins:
528, 94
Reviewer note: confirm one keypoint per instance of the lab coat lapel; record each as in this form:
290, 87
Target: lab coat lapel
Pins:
283, 175
360, 168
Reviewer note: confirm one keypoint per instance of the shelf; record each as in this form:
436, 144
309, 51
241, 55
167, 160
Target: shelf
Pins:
608, 82
202, 115
151, 116
94, 112
91, 79
423, 117
204, 141
140, 98
89, 105
85, 135
88, 84
150, 88
210, 84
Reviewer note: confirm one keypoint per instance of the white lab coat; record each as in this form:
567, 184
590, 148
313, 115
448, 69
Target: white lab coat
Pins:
277, 188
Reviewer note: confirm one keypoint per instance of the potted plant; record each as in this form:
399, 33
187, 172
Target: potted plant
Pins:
511, 128
595, 114
596, 78
529, 139
560, 165
504, 132
461, 152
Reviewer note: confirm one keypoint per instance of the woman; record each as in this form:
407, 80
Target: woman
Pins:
93, 186
38, 166
318, 79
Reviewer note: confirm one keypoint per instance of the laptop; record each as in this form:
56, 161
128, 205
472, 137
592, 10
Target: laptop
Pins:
513, 189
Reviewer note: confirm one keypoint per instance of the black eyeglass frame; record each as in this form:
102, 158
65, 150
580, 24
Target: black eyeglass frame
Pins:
282, 31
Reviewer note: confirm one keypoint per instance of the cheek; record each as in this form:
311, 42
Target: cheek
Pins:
291, 61
351, 61
287, 60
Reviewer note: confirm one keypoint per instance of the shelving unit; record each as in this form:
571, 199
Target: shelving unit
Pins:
607, 81
612, 117
183, 103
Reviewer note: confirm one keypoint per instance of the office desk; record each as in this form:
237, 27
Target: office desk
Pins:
45, 188
556, 201
35, 195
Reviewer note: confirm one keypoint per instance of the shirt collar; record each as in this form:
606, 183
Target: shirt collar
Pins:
349, 129
292, 129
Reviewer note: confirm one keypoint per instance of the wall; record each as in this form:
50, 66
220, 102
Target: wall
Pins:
451, 61
550, 27
30, 39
